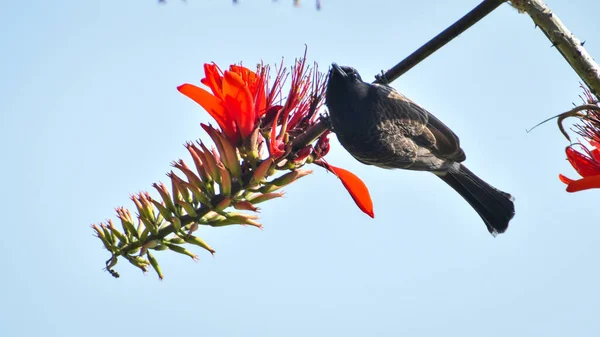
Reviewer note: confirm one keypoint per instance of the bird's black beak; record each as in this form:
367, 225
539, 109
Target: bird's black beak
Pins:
337, 70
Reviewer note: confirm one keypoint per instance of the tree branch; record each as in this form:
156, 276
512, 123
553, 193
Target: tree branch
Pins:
464, 23
565, 42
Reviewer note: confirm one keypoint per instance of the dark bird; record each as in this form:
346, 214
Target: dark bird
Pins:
379, 126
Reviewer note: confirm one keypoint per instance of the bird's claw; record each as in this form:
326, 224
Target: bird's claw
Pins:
381, 78
326, 119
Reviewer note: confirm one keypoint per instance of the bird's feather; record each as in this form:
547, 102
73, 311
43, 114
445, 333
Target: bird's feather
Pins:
423, 127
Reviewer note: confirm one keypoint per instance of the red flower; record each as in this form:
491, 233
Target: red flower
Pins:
242, 100
237, 101
587, 163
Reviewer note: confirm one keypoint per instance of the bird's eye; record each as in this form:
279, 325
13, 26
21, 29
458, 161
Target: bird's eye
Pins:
355, 76
351, 73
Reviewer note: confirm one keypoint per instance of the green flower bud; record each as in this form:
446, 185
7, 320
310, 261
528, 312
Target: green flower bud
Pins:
244, 205
108, 235
102, 236
144, 234
261, 171
178, 184
162, 209
155, 265
166, 197
149, 224
116, 232
198, 193
223, 204
227, 151
211, 163
145, 198
148, 245
126, 222
181, 250
290, 177
210, 216
258, 198
225, 180
198, 162
189, 209
199, 242
238, 218
138, 261
190, 175
176, 223
175, 240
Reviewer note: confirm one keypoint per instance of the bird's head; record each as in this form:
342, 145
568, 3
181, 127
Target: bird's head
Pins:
344, 84
343, 74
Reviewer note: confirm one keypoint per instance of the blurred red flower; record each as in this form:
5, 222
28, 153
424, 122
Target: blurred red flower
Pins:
587, 163
585, 160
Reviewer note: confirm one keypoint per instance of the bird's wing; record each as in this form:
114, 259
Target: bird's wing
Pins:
431, 133
447, 144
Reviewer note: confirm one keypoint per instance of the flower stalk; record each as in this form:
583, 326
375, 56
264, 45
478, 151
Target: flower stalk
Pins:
260, 146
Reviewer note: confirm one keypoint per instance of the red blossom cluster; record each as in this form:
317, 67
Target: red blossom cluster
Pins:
585, 158
249, 113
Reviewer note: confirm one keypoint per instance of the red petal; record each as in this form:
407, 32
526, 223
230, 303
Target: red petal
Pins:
584, 184
239, 102
565, 179
357, 189
256, 84
596, 154
246, 74
214, 106
213, 79
584, 165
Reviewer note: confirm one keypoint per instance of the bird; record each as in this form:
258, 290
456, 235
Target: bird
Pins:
379, 126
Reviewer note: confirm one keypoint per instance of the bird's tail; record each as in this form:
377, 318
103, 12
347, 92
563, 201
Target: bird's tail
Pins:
495, 207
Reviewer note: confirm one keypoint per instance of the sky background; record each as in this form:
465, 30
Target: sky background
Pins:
89, 113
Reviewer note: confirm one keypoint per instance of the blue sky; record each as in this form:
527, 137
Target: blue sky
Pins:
89, 114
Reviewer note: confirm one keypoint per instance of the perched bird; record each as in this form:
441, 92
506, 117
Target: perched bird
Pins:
379, 126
